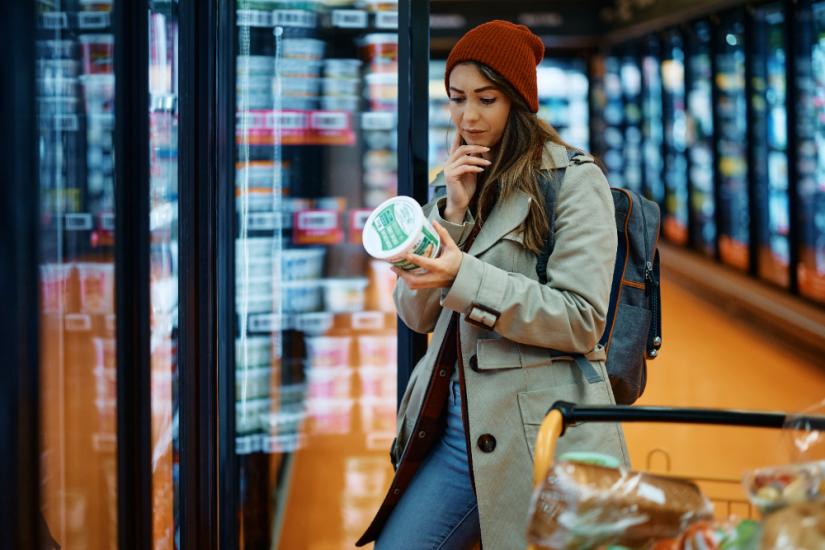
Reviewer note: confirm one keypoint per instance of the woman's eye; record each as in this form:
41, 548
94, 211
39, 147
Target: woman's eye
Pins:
457, 99
488, 100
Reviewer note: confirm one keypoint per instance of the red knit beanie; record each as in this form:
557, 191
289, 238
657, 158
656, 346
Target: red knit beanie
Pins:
511, 50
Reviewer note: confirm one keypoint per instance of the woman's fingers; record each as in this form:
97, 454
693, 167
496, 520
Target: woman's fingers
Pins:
456, 142
446, 239
478, 161
467, 150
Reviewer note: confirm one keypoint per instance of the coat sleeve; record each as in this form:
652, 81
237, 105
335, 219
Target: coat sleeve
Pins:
568, 313
419, 309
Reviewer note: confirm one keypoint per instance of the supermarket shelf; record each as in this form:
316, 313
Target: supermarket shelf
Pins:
303, 19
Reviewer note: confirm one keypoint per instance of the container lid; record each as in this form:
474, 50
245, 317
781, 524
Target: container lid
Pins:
392, 227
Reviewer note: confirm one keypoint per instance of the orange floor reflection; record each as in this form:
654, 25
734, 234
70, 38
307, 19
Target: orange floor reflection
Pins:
709, 359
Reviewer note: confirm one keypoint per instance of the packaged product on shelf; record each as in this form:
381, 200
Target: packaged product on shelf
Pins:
252, 383
255, 65
330, 416
55, 49
344, 295
98, 53
97, 287
254, 247
250, 415
58, 68
340, 103
383, 284
329, 383
328, 351
377, 350
301, 296
342, 68
586, 506
382, 91
252, 352
378, 413
380, 51
298, 68
54, 287
380, 5
308, 49
398, 227
340, 87
298, 264
377, 381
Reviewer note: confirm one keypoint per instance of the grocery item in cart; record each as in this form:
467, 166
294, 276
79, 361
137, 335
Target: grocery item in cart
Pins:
770, 489
712, 535
398, 227
584, 506
797, 527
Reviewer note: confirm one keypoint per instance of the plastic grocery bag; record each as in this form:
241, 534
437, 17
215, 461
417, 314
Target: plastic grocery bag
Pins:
584, 506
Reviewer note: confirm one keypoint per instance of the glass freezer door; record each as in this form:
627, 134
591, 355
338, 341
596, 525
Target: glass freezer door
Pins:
731, 145
652, 131
675, 215
631, 77
78, 371
700, 139
770, 142
810, 130
315, 327
563, 91
613, 115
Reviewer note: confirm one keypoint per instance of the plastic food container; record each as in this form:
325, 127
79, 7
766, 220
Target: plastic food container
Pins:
253, 268
383, 283
381, 5
329, 382
772, 488
330, 416
57, 68
345, 295
328, 351
58, 86
252, 384
98, 53
377, 350
285, 422
255, 65
346, 87
251, 352
377, 414
255, 247
314, 324
254, 303
298, 264
377, 381
310, 49
50, 106
380, 48
382, 91
54, 287
295, 87
298, 68
99, 93
342, 68
249, 415
259, 286
340, 103
56, 49
398, 227
97, 287
254, 199
301, 296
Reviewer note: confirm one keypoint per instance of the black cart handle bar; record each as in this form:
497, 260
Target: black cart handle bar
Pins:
572, 414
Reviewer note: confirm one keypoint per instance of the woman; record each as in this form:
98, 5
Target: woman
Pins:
487, 378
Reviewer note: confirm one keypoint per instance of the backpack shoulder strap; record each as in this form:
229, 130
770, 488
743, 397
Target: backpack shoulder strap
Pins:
550, 182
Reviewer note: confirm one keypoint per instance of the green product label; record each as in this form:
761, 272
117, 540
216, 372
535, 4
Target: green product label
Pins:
392, 223
428, 243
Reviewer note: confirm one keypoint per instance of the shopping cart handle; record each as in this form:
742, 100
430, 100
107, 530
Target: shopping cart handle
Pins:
572, 413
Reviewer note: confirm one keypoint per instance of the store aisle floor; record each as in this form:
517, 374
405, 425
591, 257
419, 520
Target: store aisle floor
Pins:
709, 359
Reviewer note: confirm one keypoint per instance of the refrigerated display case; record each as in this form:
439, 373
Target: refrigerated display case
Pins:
315, 328
631, 78
78, 370
563, 92
675, 214
769, 143
810, 135
612, 114
439, 134
700, 138
732, 142
652, 129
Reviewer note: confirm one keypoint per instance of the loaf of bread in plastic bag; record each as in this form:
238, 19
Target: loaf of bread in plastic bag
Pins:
585, 506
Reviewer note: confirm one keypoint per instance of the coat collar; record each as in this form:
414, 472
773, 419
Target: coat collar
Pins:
507, 215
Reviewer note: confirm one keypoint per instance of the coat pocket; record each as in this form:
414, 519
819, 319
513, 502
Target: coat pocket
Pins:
535, 404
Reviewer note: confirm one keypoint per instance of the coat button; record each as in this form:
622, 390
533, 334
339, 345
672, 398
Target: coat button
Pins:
487, 443
474, 362
442, 373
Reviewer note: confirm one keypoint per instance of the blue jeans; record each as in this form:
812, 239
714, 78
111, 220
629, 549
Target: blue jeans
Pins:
438, 511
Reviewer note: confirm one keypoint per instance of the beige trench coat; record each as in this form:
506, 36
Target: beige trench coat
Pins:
513, 380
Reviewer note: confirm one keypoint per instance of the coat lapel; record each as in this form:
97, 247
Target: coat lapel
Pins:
506, 216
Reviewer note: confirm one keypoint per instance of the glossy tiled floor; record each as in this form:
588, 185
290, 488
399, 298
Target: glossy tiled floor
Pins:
709, 359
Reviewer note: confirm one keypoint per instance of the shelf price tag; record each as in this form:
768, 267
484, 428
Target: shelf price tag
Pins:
254, 18
350, 19
93, 20
294, 18
264, 221
357, 221
329, 120
54, 20
317, 227
386, 20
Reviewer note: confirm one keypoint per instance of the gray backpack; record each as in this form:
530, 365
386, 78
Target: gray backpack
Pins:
633, 332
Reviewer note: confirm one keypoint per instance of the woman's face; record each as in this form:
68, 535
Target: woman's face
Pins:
478, 109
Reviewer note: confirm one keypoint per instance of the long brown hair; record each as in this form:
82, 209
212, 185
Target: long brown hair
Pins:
516, 163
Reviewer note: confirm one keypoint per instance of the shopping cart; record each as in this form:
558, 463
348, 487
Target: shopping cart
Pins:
563, 414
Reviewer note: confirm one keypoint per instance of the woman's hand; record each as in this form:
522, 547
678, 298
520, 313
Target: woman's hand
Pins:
441, 271
460, 171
